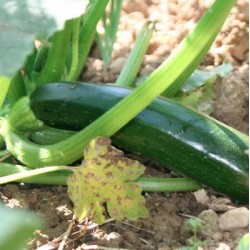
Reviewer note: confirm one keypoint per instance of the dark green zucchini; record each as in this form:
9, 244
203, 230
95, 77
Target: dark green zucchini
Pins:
187, 142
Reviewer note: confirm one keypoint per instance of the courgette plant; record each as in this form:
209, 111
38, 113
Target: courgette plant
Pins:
61, 58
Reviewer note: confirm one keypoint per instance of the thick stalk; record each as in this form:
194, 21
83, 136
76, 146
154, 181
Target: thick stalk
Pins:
47, 135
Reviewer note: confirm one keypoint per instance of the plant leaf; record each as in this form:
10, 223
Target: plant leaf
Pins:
200, 99
200, 77
244, 243
18, 226
21, 21
105, 178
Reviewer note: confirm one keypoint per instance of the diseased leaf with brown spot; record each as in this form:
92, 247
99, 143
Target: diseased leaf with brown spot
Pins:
105, 179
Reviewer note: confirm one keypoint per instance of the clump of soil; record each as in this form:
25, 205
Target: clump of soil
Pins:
231, 105
167, 227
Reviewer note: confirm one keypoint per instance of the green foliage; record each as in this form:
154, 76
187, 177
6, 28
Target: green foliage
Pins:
244, 243
19, 27
194, 225
110, 21
197, 92
106, 178
17, 226
200, 77
22, 21
200, 99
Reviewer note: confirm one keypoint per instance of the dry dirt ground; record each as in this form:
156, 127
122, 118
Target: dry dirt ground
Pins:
222, 222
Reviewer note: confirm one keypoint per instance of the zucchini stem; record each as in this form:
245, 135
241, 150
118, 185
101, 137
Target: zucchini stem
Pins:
75, 50
57, 175
130, 70
87, 33
55, 64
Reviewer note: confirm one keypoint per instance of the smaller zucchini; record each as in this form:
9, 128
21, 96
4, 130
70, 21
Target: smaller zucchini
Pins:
188, 142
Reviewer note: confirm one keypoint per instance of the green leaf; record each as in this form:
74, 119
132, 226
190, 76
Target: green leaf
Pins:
244, 243
200, 99
105, 179
17, 226
22, 20
198, 92
200, 77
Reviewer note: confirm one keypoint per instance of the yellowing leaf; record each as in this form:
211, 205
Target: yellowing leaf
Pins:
105, 180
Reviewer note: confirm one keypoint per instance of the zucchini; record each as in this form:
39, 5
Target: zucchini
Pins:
187, 142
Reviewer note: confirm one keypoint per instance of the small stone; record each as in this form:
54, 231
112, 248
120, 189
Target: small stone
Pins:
201, 197
211, 222
223, 246
10, 190
147, 70
64, 213
236, 234
117, 65
113, 236
124, 38
130, 237
163, 246
221, 205
137, 5
152, 60
217, 236
234, 218
226, 236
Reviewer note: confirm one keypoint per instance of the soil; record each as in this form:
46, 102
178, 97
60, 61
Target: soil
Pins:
166, 228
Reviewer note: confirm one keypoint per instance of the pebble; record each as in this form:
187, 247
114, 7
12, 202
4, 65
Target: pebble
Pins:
131, 237
234, 218
125, 38
137, 5
147, 70
211, 222
218, 236
201, 197
113, 236
117, 65
223, 246
10, 190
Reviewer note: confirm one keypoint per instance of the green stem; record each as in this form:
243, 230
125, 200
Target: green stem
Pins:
110, 24
22, 118
51, 178
4, 153
57, 175
2, 143
87, 33
41, 57
17, 87
4, 87
130, 70
186, 58
31, 173
54, 67
155, 184
75, 50
48, 135
116, 8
